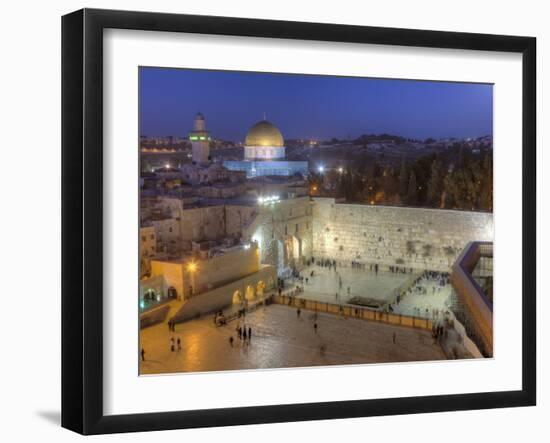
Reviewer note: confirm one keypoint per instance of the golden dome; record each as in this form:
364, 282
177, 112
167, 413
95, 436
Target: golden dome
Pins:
264, 133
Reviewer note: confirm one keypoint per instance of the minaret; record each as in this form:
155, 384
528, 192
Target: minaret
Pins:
200, 141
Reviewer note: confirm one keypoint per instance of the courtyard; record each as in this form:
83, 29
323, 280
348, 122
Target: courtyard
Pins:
331, 285
282, 339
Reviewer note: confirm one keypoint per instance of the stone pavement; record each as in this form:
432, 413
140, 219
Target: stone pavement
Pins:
325, 283
281, 339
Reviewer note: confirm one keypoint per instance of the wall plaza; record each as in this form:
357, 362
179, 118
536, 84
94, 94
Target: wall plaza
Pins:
218, 241
250, 246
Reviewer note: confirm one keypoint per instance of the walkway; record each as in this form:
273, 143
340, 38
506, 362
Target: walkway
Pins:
281, 339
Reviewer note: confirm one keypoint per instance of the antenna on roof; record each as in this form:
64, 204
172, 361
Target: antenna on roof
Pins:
264, 116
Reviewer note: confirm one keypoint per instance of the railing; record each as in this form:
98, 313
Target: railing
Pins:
353, 311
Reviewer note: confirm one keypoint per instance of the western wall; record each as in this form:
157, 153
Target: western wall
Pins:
408, 237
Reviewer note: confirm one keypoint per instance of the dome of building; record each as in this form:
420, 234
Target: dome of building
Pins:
264, 133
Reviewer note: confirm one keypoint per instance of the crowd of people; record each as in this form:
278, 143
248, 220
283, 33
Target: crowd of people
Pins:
426, 297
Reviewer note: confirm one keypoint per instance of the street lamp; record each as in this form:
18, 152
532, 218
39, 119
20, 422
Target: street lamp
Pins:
192, 267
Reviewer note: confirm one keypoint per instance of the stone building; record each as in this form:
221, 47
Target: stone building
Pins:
167, 233
147, 249
214, 277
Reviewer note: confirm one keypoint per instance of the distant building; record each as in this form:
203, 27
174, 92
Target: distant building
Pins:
264, 154
203, 170
200, 141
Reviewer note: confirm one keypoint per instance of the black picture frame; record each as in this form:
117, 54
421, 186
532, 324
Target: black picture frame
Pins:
82, 218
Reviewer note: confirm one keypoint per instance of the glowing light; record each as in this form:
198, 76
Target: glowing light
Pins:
142, 304
192, 267
257, 238
268, 199
167, 165
321, 169
340, 169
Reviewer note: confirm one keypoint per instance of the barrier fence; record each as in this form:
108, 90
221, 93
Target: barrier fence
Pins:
353, 311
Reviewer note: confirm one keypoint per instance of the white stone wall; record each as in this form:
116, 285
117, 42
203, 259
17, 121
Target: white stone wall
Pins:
279, 222
409, 237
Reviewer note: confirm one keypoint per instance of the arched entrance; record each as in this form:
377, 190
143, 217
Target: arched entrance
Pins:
296, 248
150, 296
172, 293
237, 297
250, 293
260, 288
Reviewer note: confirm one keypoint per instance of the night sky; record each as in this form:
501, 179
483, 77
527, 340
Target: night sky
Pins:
305, 106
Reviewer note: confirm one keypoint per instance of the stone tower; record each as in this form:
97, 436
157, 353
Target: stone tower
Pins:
200, 141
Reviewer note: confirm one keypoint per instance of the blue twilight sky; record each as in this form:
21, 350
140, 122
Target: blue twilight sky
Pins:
305, 106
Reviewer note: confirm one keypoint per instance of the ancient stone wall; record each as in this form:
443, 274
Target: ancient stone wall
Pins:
408, 237
283, 231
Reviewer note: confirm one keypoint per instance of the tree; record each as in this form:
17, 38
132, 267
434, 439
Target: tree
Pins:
486, 198
435, 184
464, 186
403, 180
412, 192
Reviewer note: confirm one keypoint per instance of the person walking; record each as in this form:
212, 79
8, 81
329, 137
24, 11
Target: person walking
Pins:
315, 327
172, 347
231, 341
244, 334
298, 312
179, 344
142, 354
394, 337
249, 333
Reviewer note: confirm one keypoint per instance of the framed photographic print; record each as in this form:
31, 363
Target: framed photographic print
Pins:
269, 221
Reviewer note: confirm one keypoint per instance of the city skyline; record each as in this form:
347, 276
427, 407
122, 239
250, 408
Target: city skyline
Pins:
311, 107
